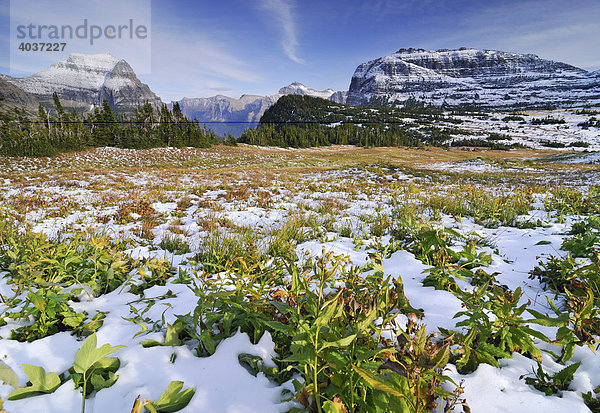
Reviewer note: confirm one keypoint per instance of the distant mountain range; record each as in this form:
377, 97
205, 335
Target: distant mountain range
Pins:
470, 77
230, 115
444, 78
84, 81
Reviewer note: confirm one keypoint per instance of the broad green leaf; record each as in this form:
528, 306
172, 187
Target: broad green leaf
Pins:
342, 342
173, 399
534, 333
330, 312
100, 382
568, 351
441, 358
8, 376
485, 357
151, 343
547, 321
172, 335
72, 319
367, 322
377, 383
588, 307
108, 363
556, 310
88, 354
282, 307
492, 350
41, 382
421, 339
566, 375
334, 407
278, 326
37, 301
208, 341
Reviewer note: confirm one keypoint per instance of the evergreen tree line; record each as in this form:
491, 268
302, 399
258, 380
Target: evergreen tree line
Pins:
62, 131
305, 121
298, 136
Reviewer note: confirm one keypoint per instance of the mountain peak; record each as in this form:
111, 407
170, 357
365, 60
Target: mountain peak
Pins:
83, 80
297, 88
103, 61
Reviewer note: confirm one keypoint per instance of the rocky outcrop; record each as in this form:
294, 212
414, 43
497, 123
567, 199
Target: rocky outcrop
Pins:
11, 95
470, 77
339, 97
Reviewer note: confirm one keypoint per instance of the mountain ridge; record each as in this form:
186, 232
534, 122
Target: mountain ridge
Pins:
472, 77
237, 114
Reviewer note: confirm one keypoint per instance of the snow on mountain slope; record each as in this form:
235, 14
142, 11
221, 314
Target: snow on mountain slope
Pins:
485, 78
84, 80
298, 88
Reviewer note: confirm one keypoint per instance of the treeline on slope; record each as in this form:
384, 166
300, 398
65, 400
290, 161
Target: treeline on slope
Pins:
51, 133
305, 121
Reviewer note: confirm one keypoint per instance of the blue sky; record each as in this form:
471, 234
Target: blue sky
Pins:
231, 47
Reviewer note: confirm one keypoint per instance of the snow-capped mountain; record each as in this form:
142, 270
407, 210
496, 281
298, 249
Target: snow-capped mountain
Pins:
298, 88
84, 80
237, 115
484, 78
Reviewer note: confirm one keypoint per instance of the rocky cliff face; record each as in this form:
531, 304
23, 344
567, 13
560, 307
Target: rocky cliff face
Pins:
484, 78
10, 96
229, 115
339, 97
82, 81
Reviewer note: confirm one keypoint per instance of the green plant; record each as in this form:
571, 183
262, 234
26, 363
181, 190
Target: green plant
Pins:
578, 325
581, 245
552, 384
51, 313
412, 375
8, 376
92, 370
172, 400
332, 338
592, 400
174, 244
490, 338
93, 261
229, 252
172, 336
152, 272
558, 273
297, 229
39, 382
572, 201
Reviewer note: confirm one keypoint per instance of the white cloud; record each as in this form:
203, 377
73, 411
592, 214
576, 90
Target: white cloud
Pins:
192, 64
552, 29
282, 11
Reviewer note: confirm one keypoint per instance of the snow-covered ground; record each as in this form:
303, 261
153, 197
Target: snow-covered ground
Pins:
519, 127
83, 193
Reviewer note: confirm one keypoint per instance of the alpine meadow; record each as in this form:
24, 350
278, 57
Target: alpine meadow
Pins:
418, 232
